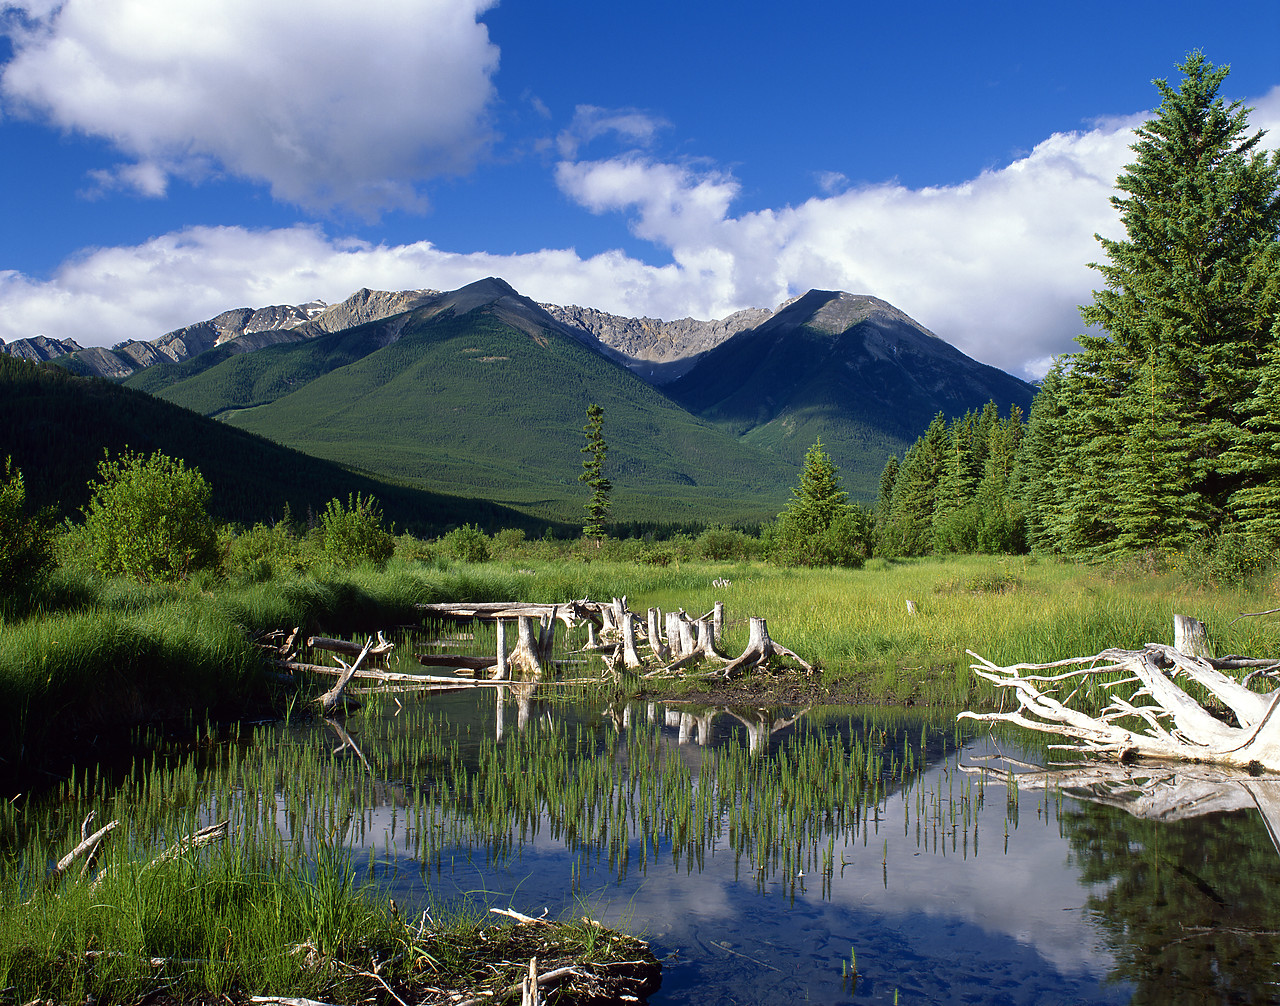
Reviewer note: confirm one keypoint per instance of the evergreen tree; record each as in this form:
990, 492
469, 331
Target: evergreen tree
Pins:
915, 494
593, 473
819, 527
1039, 465
1187, 298
884, 501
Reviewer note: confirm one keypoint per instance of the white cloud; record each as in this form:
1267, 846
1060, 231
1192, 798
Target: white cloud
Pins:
996, 266
634, 127
332, 104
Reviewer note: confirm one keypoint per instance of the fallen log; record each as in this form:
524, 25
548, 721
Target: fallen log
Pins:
380, 649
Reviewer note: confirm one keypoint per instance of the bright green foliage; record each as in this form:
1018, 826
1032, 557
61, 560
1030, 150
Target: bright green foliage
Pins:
148, 519
26, 549
1135, 455
267, 550
356, 532
819, 527
593, 473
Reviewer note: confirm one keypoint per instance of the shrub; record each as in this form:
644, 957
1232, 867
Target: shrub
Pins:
465, 544
147, 519
1228, 559
723, 544
356, 532
266, 551
26, 544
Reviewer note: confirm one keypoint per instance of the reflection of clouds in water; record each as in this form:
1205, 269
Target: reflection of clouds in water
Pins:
1015, 916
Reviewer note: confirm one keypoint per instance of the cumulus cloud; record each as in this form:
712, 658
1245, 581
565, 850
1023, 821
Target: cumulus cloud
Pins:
996, 266
332, 104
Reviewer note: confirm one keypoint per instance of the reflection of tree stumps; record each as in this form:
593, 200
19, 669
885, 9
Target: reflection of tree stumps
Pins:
672, 718
762, 724
499, 717
523, 694
686, 728
704, 726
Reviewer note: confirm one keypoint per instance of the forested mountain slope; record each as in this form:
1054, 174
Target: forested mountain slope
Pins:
55, 426
851, 370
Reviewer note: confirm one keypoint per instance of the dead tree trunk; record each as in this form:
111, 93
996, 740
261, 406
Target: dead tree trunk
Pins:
717, 624
1191, 637
674, 639
500, 672
1158, 720
630, 655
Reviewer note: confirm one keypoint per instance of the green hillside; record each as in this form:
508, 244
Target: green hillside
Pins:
55, 426
465, 402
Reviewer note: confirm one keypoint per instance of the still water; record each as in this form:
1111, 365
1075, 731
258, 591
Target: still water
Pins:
816, 855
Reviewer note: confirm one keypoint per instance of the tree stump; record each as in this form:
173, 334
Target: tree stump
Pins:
656, 643
1191, 637
524, 661
760, 650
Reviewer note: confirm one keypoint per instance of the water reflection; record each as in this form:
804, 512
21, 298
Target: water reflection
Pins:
1187, 886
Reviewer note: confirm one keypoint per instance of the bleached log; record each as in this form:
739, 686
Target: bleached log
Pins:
458, 660
379, 649
1159, 720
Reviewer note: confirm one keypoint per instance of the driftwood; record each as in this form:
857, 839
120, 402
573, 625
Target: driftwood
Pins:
331, 699
1159, 720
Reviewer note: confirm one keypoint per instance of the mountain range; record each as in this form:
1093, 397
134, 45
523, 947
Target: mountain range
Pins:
481, 392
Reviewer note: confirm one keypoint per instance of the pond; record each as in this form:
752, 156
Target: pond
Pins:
774, 855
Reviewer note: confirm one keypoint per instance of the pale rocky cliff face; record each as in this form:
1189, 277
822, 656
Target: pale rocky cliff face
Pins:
639, 343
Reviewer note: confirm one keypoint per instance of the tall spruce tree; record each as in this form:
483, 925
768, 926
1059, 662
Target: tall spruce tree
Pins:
596, 450
1186, 305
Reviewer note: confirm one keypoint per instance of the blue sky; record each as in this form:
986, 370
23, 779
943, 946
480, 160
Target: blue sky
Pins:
166, 161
